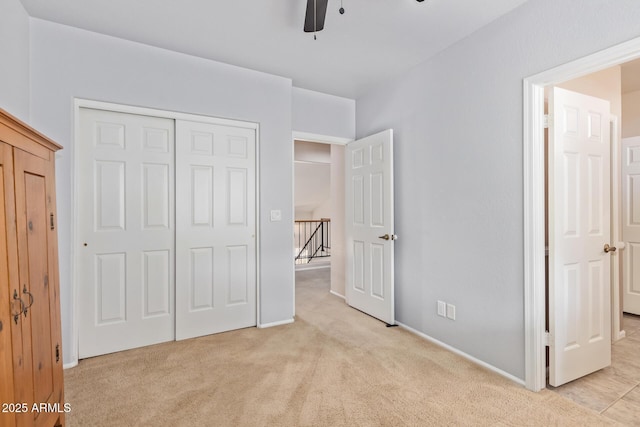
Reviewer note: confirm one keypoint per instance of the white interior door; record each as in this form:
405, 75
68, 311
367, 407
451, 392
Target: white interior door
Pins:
216, 225
125, 264
369, 225
579, 228
631, 224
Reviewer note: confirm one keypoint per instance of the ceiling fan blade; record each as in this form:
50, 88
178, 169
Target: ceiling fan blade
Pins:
319, 15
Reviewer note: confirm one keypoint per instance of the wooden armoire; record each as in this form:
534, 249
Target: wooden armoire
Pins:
31, 382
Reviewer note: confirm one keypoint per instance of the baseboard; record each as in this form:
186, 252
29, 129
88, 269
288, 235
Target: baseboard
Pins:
70, 365
338, 295
272, 324
305, 267
463, 354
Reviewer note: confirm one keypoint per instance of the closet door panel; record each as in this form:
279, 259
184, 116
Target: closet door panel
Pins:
126, 229
216, 225
35, 220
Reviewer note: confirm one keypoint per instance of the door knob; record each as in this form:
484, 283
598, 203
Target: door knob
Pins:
389, 237
608, 248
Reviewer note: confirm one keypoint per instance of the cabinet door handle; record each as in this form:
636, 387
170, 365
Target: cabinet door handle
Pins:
17, 298
53, 227
26, 292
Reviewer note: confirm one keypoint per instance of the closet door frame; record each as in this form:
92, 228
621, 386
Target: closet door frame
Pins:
74, 234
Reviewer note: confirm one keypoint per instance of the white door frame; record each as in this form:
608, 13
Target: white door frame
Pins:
307, 137
534, 199
79, 103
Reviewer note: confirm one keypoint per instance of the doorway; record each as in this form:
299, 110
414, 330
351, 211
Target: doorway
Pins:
534, 202
333, 149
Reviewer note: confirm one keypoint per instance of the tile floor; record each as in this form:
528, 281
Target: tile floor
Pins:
613, 391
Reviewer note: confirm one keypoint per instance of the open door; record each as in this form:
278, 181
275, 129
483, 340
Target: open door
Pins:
579, 236
369, 225
631, 223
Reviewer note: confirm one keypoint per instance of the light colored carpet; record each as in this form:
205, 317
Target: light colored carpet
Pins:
333, 367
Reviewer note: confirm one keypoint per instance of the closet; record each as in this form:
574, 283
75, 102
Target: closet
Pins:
166, 228
31, 385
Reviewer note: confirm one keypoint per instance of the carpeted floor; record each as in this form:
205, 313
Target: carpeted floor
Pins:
333, 367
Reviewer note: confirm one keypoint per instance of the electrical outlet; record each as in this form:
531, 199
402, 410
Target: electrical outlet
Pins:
442, 308
451, 311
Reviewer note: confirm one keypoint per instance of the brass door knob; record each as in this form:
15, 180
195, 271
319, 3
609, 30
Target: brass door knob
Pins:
389, 237
608, 248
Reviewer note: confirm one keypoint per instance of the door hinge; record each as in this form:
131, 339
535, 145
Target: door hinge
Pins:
547, 338
547, 121
51, 220
57, 353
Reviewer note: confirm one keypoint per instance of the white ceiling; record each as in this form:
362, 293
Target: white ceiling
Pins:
372, 41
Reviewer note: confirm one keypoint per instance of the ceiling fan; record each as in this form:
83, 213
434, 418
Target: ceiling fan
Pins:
316, 12
314, 18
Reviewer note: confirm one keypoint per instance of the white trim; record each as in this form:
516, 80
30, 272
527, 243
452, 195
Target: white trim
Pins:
463, 354
257, 223
174, 115
337, 294
321, 139
272, 324
75, 325
305, 267
615, 227
533, 174
293, 214
70, 365
79, 103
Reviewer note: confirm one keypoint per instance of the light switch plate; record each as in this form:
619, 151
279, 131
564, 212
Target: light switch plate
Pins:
276, 215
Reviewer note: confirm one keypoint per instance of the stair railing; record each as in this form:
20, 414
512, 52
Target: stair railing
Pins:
313, 238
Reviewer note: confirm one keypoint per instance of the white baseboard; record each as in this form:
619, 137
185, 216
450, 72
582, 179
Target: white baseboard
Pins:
305, 267
70, 365
463, 354
272, 324
338, 295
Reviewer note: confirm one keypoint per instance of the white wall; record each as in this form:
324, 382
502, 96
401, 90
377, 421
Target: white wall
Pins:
68, 62
312, 188
631, 114
311, 179
322, 114
457, 123
338, 253
14, 51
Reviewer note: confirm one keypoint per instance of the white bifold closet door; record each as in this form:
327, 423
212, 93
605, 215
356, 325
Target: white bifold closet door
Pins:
125, 267
216, 230
166, 228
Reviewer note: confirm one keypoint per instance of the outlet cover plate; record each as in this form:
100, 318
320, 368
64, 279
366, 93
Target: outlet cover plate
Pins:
451, 311
442, 308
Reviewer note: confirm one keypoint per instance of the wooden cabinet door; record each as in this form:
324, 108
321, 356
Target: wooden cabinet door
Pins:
37, 249
7, 306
